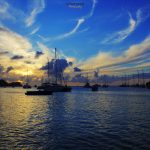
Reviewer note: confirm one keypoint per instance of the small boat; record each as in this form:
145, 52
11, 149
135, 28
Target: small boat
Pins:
148, 85
87, 85
94, 87
104, 85
27, 86
40, 92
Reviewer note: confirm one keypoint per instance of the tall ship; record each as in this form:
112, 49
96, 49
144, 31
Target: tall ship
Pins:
59, 84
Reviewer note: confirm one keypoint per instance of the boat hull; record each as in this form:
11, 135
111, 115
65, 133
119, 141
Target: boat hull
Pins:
38, 93
27, 86
94, 87
56, 88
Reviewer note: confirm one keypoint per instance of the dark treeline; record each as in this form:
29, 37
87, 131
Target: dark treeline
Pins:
4, 83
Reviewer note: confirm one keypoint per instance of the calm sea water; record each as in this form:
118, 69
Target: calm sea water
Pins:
113, 118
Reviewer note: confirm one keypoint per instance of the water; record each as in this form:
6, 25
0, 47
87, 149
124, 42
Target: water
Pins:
113, 118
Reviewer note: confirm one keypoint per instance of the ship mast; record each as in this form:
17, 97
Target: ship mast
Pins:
55, 65
48, 69
27, 80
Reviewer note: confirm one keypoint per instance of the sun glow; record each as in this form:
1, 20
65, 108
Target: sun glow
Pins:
24, 72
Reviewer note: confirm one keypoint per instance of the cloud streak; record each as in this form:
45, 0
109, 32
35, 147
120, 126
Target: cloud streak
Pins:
35, 30
93, 8
121, 35
107, 61
5, 11
73, 31
80, 21
18, 45
38, 7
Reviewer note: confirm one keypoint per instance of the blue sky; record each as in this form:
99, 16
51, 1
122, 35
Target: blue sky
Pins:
101, 34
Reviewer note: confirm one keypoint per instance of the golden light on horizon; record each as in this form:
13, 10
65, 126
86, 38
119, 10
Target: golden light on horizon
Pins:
24, 72
20, 81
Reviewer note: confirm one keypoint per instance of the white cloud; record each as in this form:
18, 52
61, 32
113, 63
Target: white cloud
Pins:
50, 53
5, 11
38, 7
80, 21
121, 35
107, 61
13, 42
35, 30
93, 8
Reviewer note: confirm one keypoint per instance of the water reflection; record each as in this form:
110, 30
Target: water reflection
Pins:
77, 120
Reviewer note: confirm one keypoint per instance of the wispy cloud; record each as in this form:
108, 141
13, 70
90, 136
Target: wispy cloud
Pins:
8, 12
68, 34
5, 12
38, 7
35, 30
121, 35
21, 50
80, 21
107, 61
93, 8
18, 44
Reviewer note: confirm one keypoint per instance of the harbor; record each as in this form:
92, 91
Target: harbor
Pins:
74, 75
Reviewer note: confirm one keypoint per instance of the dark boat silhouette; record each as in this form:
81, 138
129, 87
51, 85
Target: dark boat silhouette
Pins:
40, 92
87, 85
27, 86
105, 85
55, 87
95, 87
148, 85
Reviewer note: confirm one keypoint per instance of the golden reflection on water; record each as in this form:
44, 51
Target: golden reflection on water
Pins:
17, 109
46, 122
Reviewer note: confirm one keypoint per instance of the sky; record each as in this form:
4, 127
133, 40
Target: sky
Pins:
112, 36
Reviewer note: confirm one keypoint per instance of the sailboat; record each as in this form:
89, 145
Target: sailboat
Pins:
87, 84
55, 86
95, 86
26, 85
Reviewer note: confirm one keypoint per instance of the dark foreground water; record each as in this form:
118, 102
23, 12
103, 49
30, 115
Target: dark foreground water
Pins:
116, 118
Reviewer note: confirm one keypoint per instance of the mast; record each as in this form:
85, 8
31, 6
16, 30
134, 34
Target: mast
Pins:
133, 80
60, 75
55, 65
48, 69
128, 80
27, 77
143, 77
138, 77
125, 80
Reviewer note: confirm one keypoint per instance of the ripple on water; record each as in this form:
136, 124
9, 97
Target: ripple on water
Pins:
107, 119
